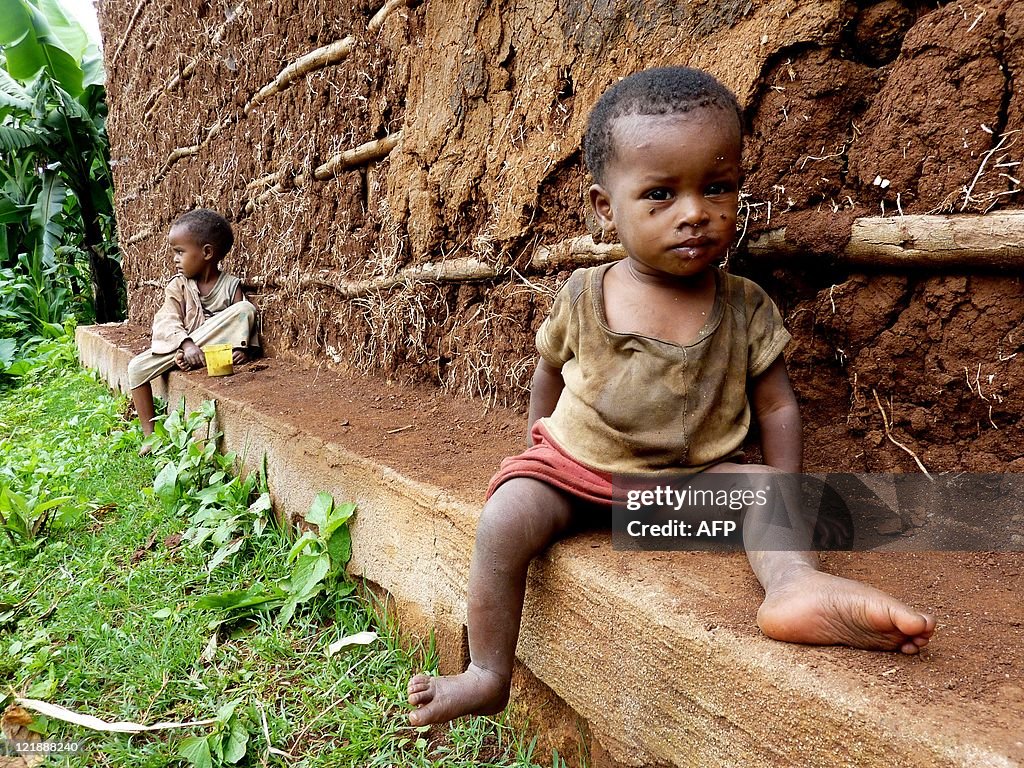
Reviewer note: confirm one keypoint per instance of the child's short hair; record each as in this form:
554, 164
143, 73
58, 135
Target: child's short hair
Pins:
206, 226
659, 91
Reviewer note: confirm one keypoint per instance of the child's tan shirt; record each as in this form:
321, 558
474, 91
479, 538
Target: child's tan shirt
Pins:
184, 310
634, 404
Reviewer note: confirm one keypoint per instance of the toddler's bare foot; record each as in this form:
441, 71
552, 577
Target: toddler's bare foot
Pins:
146, 449
476, 691
821, 609
239, 356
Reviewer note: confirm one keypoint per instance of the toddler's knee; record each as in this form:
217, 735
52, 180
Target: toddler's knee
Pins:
245, 309
516, 517
135, 377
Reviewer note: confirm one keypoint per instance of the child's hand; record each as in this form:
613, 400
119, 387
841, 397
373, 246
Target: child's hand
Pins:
191, 356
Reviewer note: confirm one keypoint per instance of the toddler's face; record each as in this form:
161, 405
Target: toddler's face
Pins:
190, 258
672, 189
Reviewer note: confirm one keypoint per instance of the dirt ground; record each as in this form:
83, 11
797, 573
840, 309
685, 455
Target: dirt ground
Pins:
972, 673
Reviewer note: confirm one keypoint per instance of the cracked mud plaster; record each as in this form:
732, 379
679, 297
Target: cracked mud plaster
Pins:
491, 100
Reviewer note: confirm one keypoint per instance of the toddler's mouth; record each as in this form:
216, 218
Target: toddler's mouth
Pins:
692, 248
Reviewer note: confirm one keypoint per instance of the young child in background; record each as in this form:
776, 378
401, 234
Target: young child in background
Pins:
653, 365
202, 305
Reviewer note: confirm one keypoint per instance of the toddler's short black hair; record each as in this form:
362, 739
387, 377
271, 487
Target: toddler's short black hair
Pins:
659, 91
206, 226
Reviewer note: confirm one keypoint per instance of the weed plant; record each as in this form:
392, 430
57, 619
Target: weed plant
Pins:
98, 613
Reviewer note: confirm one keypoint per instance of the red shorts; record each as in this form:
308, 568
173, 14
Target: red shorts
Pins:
547, 461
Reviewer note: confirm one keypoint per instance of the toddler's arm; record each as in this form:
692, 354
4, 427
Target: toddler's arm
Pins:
778, 415
190, 355
544, 393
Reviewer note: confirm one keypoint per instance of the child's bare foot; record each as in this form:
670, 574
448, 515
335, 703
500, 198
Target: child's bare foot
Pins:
821, 609
239, 356
476, 691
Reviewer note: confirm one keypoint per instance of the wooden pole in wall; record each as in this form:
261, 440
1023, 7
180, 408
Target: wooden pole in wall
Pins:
993, 240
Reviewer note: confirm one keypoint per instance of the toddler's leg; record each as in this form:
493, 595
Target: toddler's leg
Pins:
519, 521
142, 396
803, 604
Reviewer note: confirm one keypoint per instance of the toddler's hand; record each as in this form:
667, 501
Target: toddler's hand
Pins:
193, 356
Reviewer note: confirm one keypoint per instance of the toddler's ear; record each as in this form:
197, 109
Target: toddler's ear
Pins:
209, 254
601, 202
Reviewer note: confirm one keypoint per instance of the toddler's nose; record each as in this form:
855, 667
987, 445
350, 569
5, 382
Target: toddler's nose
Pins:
691, 213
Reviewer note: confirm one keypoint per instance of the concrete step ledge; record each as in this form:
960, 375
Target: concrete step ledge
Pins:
624, 639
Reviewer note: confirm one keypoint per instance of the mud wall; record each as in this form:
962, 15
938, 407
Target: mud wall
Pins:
399, 173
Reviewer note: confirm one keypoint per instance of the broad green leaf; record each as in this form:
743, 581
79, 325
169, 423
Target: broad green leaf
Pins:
305, 541
19, 368
287, 611
165, 485
196, 750
69, 34
343, 589
261, 505
14, 138
223, 532
253, 597
51, 330
64, 69
15, 21
306, 579
32, 43
224, 553
50, 504
208, 410
322, 506
92, 68
234, 747
340, 549
198, 536
44, 38
227, 710
337, 518
7, 349
46, 215
43, 689
13, 93
11, 212
304, 584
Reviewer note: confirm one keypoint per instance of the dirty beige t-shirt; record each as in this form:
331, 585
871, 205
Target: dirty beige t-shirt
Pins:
184, 309
637, 404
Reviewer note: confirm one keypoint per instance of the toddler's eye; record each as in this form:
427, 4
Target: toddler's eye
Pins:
719, 188
659, 195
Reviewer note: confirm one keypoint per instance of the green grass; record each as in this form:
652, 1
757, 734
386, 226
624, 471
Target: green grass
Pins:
105, 622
